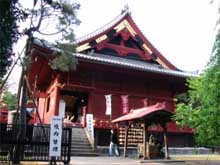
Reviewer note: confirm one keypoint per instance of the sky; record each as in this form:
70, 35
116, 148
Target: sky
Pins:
182, 30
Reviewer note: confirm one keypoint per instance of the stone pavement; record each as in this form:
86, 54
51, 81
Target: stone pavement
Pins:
177, 160
105, 160
117, 161
102, 160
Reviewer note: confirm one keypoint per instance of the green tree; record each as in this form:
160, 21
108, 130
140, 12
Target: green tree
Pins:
9, 15
52, 17
201, 110
11, 100
58, 16
42, 16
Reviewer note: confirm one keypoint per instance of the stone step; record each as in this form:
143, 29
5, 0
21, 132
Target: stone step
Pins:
87, 154
80, 146
80, 141
79, 135
78, 132
73, 150
80, 138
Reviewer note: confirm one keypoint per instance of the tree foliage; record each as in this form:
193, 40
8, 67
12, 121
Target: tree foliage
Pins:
46, 17
58, 13
42, 17
51, 17
9, 15
201, 110
11, 100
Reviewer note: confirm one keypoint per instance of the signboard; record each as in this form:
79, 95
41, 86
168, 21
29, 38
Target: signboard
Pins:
108, 104
55, 136
89, 125
62, 106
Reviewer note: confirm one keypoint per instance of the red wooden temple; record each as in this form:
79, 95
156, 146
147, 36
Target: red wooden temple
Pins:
116, 60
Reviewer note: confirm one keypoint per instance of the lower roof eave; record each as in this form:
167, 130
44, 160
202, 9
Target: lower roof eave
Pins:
128, 63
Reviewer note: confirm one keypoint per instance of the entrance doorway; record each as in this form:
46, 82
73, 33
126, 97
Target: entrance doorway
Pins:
75, 102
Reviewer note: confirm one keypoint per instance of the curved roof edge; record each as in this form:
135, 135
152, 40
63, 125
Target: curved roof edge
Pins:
103, 28
143, 112
124, 20
128, 63
119, 61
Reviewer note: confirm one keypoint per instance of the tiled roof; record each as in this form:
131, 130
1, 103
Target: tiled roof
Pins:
103, 28
124, 20
143, 112
120, 61
133, 64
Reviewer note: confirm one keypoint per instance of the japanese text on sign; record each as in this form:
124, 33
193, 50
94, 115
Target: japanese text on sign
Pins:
55, 136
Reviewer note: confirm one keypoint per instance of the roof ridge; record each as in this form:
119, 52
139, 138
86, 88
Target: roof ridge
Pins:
103, 28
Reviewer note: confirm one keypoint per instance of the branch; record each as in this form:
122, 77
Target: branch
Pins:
9, 73
33, 28
41, 16
52, 33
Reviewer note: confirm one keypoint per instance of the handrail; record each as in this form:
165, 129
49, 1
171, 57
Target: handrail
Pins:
91, 140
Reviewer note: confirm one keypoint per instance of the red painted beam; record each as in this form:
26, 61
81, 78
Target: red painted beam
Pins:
123, 51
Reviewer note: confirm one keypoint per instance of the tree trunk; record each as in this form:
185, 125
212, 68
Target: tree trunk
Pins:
18, 152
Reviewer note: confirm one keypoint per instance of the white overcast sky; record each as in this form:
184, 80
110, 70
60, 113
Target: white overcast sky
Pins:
182, 30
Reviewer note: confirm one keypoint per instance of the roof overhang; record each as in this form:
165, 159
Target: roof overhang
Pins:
132, 64
120, 62
157, 113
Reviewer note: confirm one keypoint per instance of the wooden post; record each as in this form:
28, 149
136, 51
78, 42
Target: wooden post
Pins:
165, 142
144, 141
56, 95
110, 120
126, 140
84, 116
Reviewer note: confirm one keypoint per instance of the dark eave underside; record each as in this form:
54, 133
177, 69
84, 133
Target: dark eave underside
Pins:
132, 64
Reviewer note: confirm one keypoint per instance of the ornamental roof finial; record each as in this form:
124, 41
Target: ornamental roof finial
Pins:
126, 9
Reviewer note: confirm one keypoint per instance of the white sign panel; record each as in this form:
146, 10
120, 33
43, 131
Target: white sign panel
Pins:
108, 104
89, 125
62, 106
55, 136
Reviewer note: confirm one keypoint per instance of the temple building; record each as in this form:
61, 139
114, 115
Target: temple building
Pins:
118, 70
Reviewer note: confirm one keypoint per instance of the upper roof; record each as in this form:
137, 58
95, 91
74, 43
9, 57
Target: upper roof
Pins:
123, 26
117, 35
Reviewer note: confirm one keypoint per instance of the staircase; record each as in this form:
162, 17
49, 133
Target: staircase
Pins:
80, 144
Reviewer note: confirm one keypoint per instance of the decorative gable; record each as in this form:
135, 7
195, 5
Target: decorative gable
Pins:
123, 38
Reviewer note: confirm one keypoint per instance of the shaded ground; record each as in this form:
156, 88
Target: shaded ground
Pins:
104, 160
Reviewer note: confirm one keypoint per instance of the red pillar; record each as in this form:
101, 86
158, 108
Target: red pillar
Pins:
56, 95
56, 100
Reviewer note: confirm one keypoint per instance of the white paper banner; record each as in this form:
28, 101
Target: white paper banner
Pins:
108, 104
